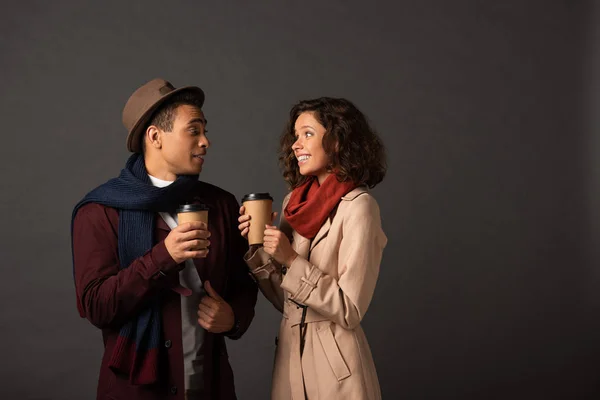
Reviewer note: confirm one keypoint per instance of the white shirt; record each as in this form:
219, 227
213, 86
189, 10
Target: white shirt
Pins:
192, 332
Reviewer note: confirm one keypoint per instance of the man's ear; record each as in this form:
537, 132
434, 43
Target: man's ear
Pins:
153, 137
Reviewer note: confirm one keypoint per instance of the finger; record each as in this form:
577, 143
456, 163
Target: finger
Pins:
195, 245
196, 253
199, 244
245, 232
270, 232
204, 323
201, 233
211, 303
201, 253
244, 218
243, 225
194, 234
206, 310
269, 250
272, 248
211, 291
191, 226
272, 229
242, 210
272, 237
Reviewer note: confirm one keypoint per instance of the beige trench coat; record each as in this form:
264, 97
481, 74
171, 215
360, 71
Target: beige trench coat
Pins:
336, 281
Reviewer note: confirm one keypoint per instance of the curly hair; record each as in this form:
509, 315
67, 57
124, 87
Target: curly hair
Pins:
354, 150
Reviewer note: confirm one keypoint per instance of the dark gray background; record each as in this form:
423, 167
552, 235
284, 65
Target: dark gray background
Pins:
489, 111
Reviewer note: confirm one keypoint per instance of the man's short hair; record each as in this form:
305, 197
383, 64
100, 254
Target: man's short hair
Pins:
163, 117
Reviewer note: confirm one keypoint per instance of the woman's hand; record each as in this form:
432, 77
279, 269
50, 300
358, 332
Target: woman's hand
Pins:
244, 221
278, 246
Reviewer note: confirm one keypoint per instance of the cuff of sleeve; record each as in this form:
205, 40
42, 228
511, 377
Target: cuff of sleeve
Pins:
260, 263
234, 333
161, 261
301, 279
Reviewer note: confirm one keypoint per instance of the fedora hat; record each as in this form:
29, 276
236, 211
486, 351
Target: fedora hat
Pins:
143, 103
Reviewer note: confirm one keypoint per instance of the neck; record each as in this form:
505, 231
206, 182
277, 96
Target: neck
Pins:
158, 168
321, 177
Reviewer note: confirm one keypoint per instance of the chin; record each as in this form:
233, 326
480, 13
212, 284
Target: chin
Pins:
308, 172
191, 171
304, 172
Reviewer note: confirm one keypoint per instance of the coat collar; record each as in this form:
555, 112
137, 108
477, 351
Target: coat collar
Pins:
355, 193
305, 245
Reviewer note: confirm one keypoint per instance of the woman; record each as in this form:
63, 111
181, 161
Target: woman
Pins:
321, 266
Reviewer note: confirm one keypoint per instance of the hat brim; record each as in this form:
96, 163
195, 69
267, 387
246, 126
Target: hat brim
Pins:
134, 144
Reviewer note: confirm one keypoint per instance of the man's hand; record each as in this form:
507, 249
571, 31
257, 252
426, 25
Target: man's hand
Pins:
214, 314
189, 240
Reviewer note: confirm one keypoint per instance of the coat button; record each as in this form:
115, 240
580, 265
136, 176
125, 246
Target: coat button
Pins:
168, 344
173, 389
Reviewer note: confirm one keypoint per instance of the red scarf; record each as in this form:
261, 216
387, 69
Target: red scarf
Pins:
310, 204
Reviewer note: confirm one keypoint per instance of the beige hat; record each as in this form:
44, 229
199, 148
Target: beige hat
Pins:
141, 105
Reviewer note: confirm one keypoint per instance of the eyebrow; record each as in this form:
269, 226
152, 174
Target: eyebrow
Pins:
304, 126
196, 120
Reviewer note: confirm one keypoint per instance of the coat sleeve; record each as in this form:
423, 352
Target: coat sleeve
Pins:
108, 295
345, 300
267, 273
241, 290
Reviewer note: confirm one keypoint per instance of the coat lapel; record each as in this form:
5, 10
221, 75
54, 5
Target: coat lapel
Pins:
161, 224
301, 245
322, 233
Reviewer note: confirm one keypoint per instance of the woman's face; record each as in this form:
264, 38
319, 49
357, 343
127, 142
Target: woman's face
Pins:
308, 147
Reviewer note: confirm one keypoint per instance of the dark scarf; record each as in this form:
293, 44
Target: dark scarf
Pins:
310, 204
137, 200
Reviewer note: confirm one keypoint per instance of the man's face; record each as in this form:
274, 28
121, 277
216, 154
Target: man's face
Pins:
183, 149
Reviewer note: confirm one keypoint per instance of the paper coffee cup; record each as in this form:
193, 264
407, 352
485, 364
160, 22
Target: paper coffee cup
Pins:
192, 212
260, 207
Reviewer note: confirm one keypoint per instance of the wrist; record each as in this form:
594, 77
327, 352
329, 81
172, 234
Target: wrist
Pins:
254, 247
162, 258
291, 259
234, 328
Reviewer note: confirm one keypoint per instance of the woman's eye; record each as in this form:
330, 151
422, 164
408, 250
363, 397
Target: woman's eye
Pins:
308, 134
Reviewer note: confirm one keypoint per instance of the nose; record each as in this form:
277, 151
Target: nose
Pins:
204, 142
297, 145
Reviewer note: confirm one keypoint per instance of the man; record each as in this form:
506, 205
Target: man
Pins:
164, 295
